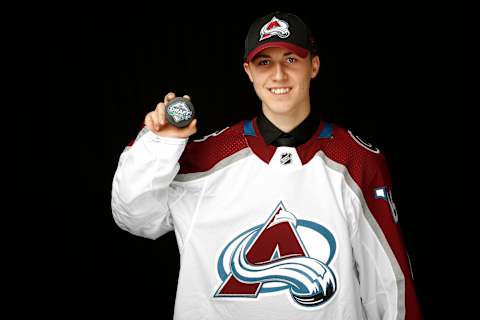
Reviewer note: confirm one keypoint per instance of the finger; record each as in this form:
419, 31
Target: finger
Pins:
160, 114
149, 121
193, 125
187, 97
155, 122
170, 96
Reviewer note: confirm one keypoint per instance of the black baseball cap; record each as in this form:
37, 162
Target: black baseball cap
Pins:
279, 29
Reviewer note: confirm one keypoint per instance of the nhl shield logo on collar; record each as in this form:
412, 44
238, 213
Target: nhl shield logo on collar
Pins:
274, 27
286, 158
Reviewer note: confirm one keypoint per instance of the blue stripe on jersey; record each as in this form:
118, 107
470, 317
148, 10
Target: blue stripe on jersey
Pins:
327, 131
248, 128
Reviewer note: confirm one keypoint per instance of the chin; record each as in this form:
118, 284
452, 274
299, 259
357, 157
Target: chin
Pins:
279, 107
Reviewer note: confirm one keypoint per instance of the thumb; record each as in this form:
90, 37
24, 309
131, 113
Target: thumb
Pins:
192, 126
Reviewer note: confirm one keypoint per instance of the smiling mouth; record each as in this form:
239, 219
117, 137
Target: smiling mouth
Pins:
279, 91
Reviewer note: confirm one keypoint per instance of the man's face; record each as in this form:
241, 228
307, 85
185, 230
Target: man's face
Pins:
282, 79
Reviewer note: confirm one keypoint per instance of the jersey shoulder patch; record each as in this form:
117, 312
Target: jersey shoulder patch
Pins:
359, 157
361, 142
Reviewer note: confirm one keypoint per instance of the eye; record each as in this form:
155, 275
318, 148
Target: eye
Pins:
291, 60
263, 62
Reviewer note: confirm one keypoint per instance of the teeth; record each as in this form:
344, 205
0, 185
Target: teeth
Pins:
279, 90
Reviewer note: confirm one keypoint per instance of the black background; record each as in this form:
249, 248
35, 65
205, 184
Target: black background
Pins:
389, 72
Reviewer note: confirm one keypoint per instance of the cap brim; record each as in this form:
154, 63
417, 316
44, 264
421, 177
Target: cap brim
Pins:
302, 52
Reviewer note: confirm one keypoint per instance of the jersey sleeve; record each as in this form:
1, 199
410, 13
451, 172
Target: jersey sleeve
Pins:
385, 277
142, 189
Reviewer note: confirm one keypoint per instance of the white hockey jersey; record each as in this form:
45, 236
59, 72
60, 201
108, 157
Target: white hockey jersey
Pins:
269, 232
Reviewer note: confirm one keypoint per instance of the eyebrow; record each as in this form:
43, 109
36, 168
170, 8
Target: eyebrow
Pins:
258, 56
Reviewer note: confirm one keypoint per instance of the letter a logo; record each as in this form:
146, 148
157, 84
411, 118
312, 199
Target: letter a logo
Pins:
272, 257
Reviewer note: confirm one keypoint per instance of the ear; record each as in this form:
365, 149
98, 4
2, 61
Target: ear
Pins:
315, 66
246, 67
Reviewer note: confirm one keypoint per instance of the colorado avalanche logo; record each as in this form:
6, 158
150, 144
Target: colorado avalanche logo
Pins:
273, 257
274, 27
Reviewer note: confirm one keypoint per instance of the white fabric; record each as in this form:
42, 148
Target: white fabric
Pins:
208, 213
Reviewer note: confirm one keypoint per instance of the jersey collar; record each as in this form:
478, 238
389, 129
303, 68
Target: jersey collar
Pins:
298, 136
264, 151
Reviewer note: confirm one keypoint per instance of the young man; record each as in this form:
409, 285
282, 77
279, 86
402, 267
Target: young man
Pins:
284, 216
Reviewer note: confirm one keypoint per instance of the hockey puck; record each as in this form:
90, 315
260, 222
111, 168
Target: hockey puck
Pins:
179, 112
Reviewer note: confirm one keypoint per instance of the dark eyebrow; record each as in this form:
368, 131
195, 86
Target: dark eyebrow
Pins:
258, 56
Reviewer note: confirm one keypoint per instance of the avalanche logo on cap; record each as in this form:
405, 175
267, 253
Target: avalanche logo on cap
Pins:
274, 27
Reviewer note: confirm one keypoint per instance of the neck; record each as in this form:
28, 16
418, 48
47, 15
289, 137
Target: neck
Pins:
289, 120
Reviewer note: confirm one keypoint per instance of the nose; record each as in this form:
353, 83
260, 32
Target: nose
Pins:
279, 72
